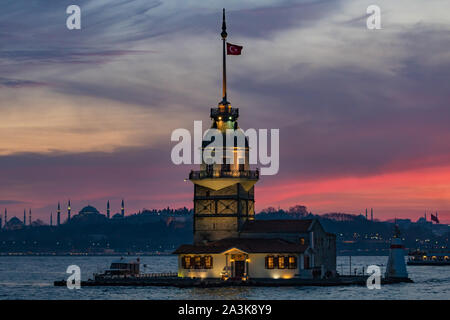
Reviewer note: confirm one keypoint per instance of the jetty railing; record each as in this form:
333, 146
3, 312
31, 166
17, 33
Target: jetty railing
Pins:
140, 275
158, 275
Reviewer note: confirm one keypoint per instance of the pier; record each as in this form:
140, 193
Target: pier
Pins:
174, 281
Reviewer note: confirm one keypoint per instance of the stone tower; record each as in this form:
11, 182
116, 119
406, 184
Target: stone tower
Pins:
223, 193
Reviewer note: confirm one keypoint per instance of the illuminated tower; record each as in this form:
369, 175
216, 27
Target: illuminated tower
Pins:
223, 193
68, 211
58, 216
108, 210
122, 209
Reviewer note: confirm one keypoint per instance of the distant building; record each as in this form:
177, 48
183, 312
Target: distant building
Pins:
88, 214
14, 224
117, 216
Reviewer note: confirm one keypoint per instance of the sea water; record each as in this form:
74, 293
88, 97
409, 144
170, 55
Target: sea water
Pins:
31, 277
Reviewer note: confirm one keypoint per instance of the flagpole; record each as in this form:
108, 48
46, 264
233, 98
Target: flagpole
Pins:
224, 84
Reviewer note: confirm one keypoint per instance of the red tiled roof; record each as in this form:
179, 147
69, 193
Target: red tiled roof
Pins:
245, 244
277, 226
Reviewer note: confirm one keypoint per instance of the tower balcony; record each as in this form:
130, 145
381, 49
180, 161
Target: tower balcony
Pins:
224, 113
248, 174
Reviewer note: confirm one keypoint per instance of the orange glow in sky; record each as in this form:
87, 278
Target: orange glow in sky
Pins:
405, 194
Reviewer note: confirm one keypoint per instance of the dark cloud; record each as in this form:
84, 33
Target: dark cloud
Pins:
19, 83
67, 55
10, 202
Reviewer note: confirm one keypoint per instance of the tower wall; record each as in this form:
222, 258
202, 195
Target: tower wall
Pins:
220, 213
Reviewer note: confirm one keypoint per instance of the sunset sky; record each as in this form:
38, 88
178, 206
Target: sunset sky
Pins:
364, 115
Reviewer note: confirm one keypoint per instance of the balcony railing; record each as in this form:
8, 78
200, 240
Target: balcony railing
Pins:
249, 174
225, 112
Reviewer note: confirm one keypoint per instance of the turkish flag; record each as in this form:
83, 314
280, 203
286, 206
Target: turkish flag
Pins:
233, 49
434, 218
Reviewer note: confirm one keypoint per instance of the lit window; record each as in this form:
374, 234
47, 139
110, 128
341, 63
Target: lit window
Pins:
187, 263
302, 241
281, 263
198, 262
292, 262
208, 262
269, 262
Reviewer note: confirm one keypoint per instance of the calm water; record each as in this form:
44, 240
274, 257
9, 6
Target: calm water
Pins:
32, 278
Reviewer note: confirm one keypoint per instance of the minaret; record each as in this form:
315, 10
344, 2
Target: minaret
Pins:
108, 210
366, 213
371, 214
24, 217
6, 217
58, 215
223, 193
122, 209
51, 219
68, 211
396, 266
29, 217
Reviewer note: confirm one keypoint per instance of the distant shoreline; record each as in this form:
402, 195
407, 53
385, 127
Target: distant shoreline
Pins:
140, 254
84, 254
